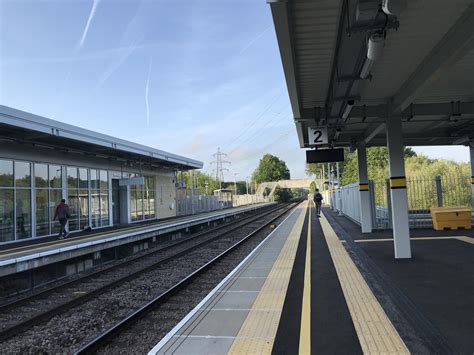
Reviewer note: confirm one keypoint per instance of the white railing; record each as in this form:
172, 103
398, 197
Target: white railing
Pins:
192, 204
350, 197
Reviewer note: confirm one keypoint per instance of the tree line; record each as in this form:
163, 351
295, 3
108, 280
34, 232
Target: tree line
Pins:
270, 168
421, 173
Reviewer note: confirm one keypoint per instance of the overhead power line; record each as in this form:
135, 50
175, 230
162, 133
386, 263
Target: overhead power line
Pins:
259, 116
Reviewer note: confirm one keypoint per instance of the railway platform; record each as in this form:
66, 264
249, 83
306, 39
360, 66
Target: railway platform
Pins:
318, 285
31, 256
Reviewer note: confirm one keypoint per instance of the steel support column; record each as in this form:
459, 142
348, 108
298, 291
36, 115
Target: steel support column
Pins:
398, 189
365, 208
471, 151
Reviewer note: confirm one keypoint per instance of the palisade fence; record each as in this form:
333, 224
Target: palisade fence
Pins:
350, 201
191, 202
422, 192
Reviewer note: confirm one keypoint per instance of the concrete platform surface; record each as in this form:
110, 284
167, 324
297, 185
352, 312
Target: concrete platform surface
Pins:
317, 285
24, 258
251, 296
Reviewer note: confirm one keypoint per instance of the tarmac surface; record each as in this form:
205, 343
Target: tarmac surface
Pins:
438, 280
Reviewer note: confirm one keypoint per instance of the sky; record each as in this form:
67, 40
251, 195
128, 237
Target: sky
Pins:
184, 76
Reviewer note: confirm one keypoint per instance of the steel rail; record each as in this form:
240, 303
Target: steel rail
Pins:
131, 228
29, 323
123, 324
15, 302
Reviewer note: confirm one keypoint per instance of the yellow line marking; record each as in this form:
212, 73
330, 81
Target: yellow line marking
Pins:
305, 330
463, 239
466, 239
257, 334
375, 331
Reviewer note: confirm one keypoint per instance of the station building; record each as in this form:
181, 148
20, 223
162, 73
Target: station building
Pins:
106, 181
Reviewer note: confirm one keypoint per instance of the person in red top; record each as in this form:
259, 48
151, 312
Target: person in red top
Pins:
62, 214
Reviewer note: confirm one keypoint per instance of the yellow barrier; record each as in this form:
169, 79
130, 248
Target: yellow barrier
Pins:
451, 217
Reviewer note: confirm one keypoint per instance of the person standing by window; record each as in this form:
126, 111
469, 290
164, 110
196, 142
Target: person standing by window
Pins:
62, 214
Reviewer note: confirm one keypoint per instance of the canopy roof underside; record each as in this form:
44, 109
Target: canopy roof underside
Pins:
425, 73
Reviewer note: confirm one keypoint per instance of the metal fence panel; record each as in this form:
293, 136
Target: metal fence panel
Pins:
351, 202
423, 193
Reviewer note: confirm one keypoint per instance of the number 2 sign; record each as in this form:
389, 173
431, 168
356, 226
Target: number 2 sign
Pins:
317, 135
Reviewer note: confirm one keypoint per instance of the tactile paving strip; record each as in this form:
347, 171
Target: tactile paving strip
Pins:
375, 331
258, 332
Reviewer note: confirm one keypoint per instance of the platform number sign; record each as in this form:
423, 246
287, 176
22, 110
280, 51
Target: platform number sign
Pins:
317, 135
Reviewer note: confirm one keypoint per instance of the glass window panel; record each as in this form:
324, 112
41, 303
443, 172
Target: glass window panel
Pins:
72, 181
55, 196
94, 179
83, 180
95, 208
55, 176
146, 183
151, 182
42, 212
6, 173
83, 208
104, 179
41, 175
73, 202
23, 213
133, 203
6, 215
22, 174
104, 208
151, 198
139, 202
146, 208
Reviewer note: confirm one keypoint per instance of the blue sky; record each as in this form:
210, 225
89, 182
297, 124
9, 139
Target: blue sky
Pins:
180, 75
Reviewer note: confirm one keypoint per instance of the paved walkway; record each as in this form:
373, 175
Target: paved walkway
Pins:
317, 285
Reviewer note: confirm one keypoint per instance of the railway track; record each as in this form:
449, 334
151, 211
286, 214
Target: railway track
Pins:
64, 300
79, 236
193, 286
32, 295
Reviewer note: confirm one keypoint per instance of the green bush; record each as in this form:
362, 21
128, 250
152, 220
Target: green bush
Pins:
282, 195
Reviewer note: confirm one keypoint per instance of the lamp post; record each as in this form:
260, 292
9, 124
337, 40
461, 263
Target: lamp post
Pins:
247, 184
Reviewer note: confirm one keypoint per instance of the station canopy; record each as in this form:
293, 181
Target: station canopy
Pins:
351, 65
21, 127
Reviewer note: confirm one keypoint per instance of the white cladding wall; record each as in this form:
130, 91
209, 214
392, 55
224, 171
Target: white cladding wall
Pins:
165, 196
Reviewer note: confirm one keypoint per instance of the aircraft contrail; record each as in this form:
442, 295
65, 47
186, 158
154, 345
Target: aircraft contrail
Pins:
134, 34
254, 40
95, 3
147, 92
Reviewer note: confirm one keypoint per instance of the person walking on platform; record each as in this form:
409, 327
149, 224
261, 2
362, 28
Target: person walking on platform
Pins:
318, 199
62, 214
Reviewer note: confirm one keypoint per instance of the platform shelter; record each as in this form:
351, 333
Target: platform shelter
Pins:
380, 73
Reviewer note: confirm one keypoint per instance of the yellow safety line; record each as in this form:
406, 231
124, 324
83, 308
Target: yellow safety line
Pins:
257, 334
463, 239
305, 330
375, 331
466, 239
